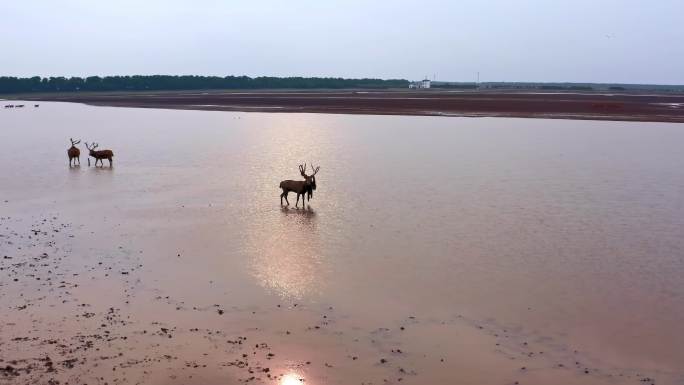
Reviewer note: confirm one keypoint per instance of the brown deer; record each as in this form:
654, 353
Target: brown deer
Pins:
74, 153
99, 154
300, 187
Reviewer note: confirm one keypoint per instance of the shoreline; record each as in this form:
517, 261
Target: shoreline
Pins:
516, 104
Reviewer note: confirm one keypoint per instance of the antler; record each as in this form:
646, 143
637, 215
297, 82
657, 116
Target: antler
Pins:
302, 169
315, 170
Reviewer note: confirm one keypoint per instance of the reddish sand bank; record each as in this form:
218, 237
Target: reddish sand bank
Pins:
630, 107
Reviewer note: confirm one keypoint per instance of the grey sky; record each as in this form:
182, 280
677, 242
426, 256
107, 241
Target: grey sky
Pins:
626, 41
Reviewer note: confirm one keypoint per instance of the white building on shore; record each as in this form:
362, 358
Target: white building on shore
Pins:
425, 83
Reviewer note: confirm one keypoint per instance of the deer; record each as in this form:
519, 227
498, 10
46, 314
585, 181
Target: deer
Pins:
300, 187
99, 154
74, 153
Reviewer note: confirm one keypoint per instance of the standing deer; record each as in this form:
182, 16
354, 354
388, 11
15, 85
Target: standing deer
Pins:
99, 154
74, 153
300, 186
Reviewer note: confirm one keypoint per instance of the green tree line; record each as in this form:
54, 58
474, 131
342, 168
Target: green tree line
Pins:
168, 82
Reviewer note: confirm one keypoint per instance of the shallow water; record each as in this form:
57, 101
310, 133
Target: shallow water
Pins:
566, 234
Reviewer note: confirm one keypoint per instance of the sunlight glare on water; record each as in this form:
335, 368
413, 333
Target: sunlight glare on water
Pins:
285, 249
292, 379
286, 254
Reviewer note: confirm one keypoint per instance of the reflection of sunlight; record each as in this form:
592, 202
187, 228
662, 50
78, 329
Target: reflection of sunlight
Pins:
286, 252
284, 246
291, 379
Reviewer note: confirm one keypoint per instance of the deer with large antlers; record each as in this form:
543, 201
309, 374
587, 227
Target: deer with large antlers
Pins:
99, 154
300, 187
74, 153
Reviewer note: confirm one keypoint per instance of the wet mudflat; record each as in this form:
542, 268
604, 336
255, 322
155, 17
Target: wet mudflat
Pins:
649, 107
435, 250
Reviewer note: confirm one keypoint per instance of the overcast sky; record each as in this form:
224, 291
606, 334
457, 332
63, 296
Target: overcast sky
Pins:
625, 41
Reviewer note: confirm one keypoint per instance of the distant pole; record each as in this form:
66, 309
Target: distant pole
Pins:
478, 77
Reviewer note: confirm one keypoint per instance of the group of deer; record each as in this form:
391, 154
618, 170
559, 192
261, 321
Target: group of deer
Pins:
300, 187
19, 105
75, 154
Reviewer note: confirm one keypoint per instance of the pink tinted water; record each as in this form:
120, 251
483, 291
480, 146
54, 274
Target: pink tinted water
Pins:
566, 230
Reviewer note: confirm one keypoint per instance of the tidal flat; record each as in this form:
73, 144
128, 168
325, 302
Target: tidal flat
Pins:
436, 250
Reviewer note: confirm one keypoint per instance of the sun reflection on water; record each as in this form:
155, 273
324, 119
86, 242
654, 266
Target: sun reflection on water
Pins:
291, 379
286, 252
284, 244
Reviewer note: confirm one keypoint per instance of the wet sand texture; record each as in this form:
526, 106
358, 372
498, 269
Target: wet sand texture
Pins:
597, 106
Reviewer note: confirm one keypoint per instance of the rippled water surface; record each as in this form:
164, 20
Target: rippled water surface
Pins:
571, 231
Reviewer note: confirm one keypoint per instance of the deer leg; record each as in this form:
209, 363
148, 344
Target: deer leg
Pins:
297, 203
110, 162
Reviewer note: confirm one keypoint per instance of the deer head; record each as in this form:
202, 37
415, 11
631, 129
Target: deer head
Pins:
313, 176
92, 147
74, 143
309, 180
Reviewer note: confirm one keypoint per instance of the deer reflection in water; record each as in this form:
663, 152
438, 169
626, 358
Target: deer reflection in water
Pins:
289, 266
306, 212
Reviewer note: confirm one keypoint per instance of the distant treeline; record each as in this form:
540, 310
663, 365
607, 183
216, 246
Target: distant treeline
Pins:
167, 82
